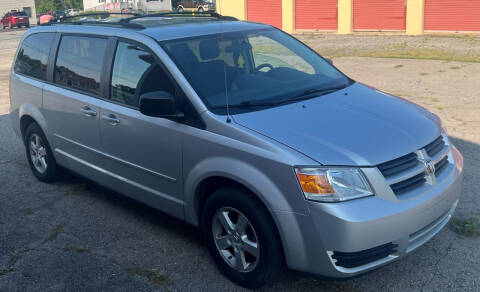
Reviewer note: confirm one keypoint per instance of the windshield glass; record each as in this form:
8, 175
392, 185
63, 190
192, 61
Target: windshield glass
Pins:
255, 69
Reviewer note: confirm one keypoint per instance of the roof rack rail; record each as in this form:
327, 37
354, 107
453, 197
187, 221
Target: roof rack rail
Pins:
62, 20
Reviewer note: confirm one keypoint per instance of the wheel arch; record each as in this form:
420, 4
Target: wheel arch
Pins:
28, 113
215, 172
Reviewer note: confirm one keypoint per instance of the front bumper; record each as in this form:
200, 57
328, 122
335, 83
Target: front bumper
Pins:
355, 226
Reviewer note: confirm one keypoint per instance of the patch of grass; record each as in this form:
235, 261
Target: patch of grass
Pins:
455, 67
77, 189
441, 71
469, 226
398, 66
55, 231
434, 99
18, 254
423, 74
397, 51
79, 249
3, 272
153, 276
438, 107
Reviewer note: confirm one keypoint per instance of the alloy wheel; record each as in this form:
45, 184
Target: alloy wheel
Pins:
235, 239
38, 153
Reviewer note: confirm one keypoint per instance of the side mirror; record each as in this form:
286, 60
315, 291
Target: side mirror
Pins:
329, 60
158, 104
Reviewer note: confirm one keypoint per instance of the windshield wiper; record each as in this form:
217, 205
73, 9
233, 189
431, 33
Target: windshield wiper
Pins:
307, 94
314, 92
246, 104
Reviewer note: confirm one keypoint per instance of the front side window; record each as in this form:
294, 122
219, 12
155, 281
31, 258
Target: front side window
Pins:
135, 72
79, 63
251, 69
32, 57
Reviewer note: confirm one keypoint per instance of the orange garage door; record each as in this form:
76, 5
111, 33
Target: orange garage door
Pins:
316, 14
379, 14
452, 15
266, 11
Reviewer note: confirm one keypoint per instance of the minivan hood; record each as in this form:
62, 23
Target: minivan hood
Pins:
357, 126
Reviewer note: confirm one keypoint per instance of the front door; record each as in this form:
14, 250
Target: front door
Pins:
144, 153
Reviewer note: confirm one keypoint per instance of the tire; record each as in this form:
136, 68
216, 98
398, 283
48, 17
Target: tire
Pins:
180, 9
200, 9
27, 25
260, 231
41, 149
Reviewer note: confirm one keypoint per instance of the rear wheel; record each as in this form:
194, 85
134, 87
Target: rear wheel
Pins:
39, 154
242, 238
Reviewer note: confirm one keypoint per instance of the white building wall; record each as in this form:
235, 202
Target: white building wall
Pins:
154, 5
7, 5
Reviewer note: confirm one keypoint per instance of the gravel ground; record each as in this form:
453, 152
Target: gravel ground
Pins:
73, 235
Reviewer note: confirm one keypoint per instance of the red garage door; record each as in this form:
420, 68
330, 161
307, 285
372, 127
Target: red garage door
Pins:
266, 11
452, 15
316, 14
379, 14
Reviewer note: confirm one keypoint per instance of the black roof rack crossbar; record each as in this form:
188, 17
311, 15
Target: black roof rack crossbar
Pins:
182, 14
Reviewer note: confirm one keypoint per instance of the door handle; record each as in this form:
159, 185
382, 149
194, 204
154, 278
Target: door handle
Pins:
86, 110
111, 119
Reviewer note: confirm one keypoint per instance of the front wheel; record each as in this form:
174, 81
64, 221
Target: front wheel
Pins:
242, 238
39, 154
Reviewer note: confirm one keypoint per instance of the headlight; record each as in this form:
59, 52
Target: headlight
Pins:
333, 184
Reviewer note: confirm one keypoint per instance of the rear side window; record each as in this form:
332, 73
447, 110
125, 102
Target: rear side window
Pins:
32, 57
136, 72
79, 63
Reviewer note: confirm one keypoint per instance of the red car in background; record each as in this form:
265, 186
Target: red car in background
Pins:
15, 18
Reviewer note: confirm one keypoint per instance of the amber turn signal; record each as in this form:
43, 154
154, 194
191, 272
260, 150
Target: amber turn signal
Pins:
315, 184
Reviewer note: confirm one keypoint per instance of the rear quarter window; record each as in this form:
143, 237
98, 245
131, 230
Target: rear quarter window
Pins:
32, 57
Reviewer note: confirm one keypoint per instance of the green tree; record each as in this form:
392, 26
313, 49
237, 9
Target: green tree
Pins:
46, 6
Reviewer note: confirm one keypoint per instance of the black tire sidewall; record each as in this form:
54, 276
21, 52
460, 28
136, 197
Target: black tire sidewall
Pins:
271, 260
50, 174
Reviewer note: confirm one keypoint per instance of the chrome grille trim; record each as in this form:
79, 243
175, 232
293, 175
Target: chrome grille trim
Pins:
410, 171
404, 175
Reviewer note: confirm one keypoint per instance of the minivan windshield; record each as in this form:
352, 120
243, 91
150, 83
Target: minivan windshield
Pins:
253, 70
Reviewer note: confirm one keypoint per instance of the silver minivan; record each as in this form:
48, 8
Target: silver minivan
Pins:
240, 129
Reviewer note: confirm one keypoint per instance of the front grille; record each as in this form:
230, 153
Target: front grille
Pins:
409, 184
360, 258
407, 172
435, 147
398, 165
441, 165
